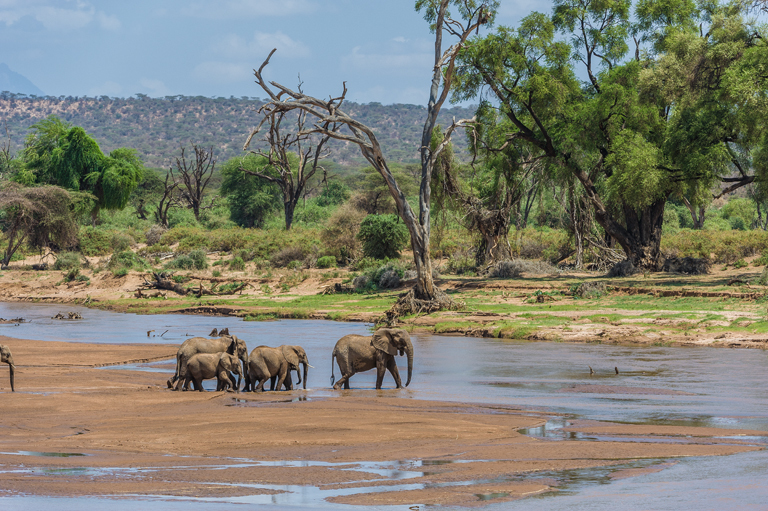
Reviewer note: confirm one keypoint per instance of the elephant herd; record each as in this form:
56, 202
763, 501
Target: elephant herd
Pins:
201, 358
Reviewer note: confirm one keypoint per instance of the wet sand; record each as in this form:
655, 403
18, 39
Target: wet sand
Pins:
139, 438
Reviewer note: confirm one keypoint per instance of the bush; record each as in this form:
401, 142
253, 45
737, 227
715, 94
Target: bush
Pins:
128, 260
460, 264
687, 265
326, 262
216, 273
764, 277
154, 234
333, 194
95, 241
340, 236
237, 264
311, 213
624, 268
121, 242
588, 289
383, 236
294, 265
67, 261
197, 260
285, 256
506, 270
389, 279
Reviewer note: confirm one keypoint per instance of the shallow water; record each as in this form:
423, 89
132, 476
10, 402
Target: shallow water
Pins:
672, 386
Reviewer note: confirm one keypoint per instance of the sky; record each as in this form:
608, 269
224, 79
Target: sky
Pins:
382, 48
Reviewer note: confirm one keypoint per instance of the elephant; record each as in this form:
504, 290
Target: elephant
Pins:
357, 353
205, 366
7, 358
268, 363
229, 344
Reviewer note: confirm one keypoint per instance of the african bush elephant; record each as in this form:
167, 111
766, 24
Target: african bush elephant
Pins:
7, 358
266, 363
227, 344
357, 353
205, 366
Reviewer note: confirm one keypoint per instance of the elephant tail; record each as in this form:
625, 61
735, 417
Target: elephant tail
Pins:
333, 377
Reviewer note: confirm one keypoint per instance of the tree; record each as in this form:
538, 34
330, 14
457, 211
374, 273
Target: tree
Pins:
168, 199
250, 198
327, 117
40, 216
638, 131
193, 178
68, 157
292, 160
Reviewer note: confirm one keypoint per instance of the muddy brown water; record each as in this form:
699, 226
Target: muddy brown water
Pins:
718, 388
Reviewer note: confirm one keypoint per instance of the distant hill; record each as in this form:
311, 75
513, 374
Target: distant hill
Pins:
12, 81
156, 127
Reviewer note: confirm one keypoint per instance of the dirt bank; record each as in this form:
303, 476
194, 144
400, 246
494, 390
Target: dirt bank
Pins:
126, 434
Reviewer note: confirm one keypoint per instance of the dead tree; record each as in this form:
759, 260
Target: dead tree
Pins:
168, 200
193, 178
326, 116
291, 178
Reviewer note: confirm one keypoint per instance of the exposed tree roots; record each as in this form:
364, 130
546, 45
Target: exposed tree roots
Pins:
408, 304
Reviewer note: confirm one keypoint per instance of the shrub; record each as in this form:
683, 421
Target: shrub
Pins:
67, 261
95, 241
237, 264
127, 259
588, 289
120, 272
741, 263
121, 242
764, 277
361, 282
216, 273
154, 234
460, 264
311, 213
196, 260
286, 255
340, 236
333, 194
624, 268
326, 262
294, 265
688, 265
506, 270
389, 279
383, 236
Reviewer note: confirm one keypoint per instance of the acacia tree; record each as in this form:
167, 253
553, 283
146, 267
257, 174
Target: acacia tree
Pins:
193, 178
293, 158
327, 116
40, 216
639, 130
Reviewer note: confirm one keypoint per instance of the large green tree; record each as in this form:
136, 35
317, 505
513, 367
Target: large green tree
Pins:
641, 128
250, 198
67, 156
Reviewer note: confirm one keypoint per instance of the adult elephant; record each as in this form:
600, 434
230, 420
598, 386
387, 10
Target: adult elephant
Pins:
357, 353
205, 366
191, 347
266, 363
7, 358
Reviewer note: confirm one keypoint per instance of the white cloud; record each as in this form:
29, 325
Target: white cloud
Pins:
400, 39
63, 15
107, 88
222, 72
153, 87
108, 22
394, 62
237, 48
239, 9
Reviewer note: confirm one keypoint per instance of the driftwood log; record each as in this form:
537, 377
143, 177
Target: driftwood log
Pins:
164, 281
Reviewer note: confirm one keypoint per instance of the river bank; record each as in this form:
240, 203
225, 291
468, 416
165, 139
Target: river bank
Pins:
122, 433
722, 309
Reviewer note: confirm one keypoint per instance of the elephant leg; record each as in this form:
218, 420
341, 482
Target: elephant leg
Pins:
381, 368
344, 380
281, 377
288, 382
272, 381
392, 366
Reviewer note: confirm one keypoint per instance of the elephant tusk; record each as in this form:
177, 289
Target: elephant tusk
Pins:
310, 365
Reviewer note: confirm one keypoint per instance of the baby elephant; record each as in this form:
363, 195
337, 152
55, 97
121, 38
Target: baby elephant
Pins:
267, 363
205, 366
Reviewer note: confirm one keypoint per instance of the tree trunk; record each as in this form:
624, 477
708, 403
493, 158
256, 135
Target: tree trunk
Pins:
698, 220
494, 245
643, 243
290, 206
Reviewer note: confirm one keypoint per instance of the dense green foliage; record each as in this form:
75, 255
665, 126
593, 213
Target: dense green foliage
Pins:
383, 236
250, 198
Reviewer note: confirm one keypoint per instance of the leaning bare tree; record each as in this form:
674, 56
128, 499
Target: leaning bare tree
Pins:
327, 117
193, 178
291, 177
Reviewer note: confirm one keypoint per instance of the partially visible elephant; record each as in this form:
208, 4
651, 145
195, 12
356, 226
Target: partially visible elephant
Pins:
227, 344
7, 358
357, 353
266, 363
205, 366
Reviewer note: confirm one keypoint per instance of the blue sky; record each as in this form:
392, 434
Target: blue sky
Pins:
382, 48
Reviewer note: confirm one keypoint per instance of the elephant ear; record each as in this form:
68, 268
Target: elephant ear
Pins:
232, 348
382, 341
289, 352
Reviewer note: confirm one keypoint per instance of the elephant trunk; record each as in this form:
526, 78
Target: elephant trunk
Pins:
12, 369
305, 363
409, 353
